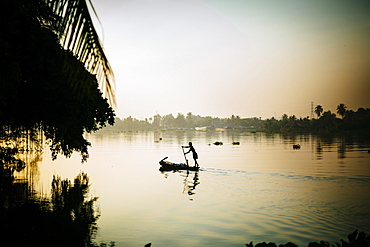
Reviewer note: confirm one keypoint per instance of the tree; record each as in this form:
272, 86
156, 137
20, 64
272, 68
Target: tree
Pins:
272, 124
328, 121
168, 120
341, 110
189, 119
318, 110
157, 121
180, 120
51, 65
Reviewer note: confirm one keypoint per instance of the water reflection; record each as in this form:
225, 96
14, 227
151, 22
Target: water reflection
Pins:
341, 150
190, 180
319, 150
27, 218
342, 143
190, 183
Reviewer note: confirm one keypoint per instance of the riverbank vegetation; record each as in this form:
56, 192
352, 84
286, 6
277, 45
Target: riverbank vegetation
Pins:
55, 85
324, 121
53, 75
355, 239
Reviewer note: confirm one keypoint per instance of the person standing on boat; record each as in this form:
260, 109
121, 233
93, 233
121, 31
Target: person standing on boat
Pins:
195, 155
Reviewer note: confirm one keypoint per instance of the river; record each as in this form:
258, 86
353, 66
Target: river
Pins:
259, 190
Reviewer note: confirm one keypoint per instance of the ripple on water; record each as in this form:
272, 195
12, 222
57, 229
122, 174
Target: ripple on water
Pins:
281, 207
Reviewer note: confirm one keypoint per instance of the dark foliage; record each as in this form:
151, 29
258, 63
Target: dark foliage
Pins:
38, 81
355, 239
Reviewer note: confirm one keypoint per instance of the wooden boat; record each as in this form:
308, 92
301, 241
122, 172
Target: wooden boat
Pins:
169, 166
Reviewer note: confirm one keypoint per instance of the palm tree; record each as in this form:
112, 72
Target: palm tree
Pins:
318, 110
341, 110
71, 22
54, 75
74, 26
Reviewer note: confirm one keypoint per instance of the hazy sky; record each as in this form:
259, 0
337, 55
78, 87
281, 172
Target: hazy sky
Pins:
249, 58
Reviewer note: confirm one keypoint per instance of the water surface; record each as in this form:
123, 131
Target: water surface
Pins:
260, 190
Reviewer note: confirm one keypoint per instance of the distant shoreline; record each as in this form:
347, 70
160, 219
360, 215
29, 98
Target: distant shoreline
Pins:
349, 121
335, 132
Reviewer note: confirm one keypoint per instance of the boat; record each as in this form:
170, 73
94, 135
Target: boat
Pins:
170, 166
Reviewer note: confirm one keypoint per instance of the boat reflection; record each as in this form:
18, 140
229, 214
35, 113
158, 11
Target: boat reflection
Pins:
190, 180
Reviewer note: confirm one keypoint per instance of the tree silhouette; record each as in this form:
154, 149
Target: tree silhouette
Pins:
318, 110
67, 218
341, 110
51, 65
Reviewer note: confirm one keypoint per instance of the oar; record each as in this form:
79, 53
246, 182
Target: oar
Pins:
182, 147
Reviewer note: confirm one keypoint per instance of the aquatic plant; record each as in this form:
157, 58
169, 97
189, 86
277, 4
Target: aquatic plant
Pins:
355, 239
296, 146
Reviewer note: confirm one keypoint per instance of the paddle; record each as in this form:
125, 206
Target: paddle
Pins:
182, 147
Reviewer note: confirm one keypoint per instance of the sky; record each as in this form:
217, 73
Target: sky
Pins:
251, 58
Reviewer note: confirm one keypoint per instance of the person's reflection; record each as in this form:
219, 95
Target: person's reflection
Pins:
189, 185
190, 182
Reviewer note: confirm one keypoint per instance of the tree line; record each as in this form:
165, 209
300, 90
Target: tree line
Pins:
184, 122
343, 120
325, 121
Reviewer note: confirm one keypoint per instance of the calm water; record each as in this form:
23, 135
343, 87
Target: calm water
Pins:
260, 190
